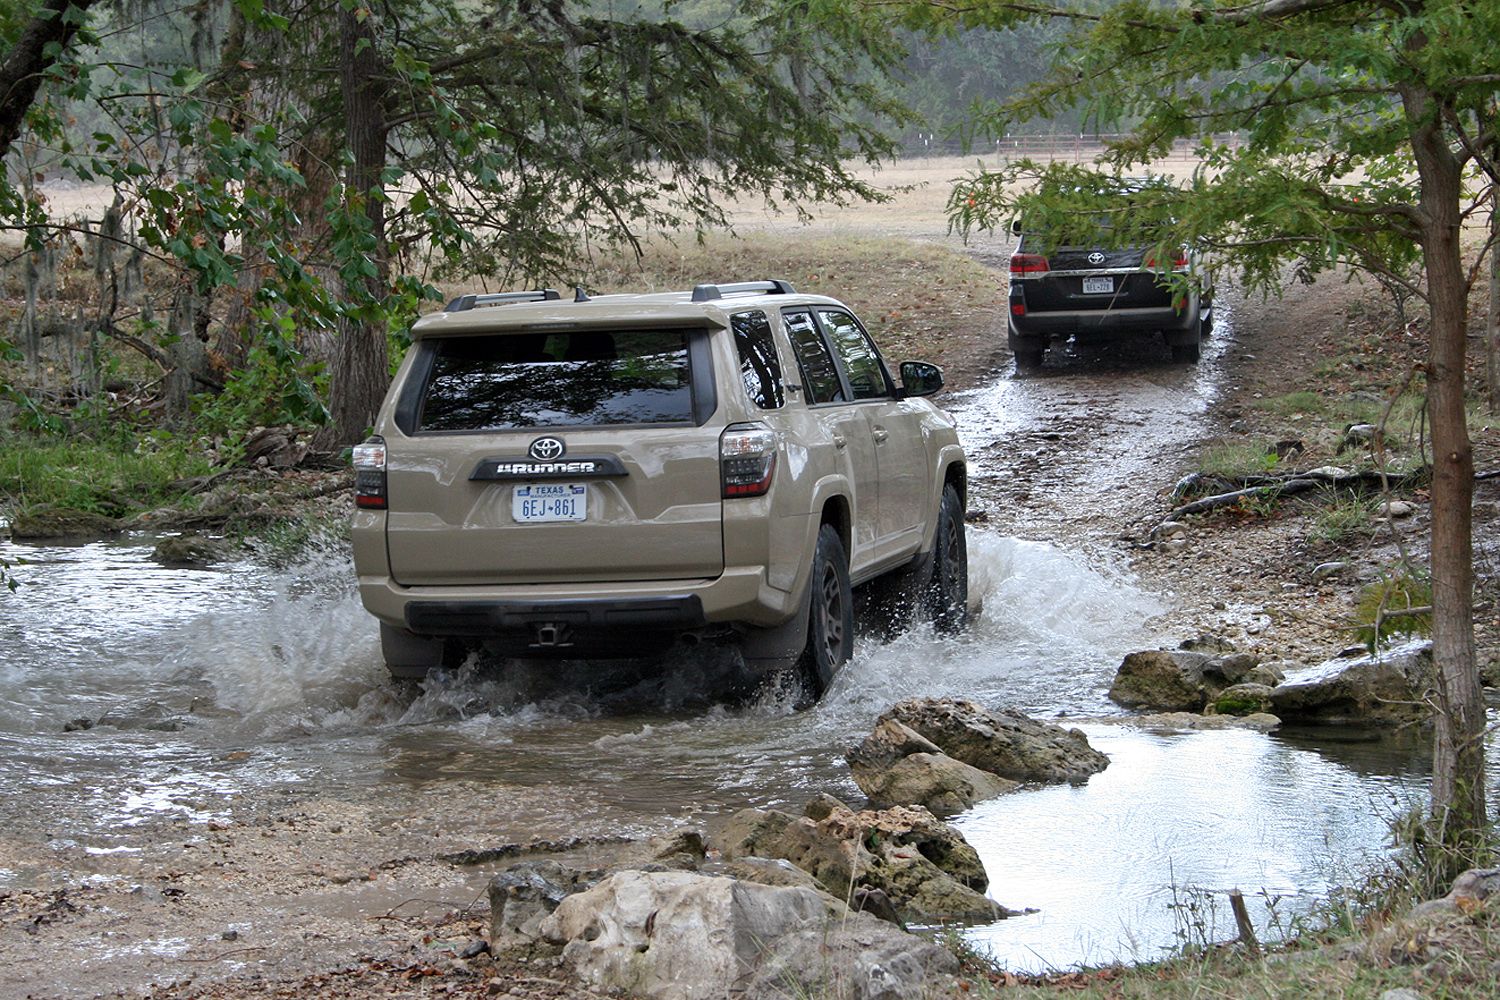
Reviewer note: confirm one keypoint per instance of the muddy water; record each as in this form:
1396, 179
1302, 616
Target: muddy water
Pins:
210, 689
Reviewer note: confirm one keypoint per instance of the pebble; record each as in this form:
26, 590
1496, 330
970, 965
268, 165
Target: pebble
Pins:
1174, 545
1325, 570
1170, 529
1398, 508
1401, 993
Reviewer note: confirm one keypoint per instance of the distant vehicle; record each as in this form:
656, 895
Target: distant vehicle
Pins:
605, 477
1100, 292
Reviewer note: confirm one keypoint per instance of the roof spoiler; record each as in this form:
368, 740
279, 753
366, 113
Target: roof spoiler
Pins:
775, 286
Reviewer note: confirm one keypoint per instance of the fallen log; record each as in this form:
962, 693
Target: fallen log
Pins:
1274, 486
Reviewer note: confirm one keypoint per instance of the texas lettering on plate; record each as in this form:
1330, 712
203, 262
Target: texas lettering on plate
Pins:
540, 502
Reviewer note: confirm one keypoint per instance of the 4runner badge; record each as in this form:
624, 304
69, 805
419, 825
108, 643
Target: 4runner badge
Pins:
547, 449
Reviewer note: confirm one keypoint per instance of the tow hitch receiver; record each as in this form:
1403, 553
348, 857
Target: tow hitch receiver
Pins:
553, 635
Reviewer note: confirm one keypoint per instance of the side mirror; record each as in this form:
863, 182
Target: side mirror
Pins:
1015, 227
918, 378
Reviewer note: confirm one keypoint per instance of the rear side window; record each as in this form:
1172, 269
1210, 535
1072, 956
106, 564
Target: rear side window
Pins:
760, 368
570, 379
819, 376
861, 360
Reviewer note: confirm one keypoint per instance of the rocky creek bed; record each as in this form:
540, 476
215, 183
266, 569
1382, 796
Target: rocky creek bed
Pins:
245, 808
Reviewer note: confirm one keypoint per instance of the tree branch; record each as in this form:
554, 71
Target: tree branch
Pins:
30, 58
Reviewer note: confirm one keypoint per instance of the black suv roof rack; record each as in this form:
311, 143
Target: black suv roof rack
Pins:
464, 302
775, 286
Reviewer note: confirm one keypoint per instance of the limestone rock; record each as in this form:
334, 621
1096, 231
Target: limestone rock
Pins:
768, 871
188, 550
1243, 699
935, 780
1393, 686
521, 897
897, 766
922, 864
1177, 680
683, 848
685, 936
1004, 742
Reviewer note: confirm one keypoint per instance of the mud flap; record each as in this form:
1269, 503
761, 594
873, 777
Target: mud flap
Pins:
408, 655
766, 650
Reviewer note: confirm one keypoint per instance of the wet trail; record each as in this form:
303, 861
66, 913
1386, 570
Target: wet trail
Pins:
209, 690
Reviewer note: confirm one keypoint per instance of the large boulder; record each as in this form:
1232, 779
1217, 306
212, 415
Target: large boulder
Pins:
1004, 742
685, 936
1394, 686
1177, 680
923, 865
896, 766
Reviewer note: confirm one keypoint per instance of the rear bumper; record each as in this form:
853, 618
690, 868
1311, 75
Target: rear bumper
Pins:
739, 595
671, 612
1063, 323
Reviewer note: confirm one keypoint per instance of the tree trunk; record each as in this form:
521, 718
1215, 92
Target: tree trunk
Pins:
360, 375
1458, 799
1492, 324
23, 67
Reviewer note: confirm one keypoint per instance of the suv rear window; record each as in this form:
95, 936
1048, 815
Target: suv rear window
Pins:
567, 379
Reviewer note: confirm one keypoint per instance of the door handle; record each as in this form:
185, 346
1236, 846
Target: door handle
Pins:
879, 434
838, 441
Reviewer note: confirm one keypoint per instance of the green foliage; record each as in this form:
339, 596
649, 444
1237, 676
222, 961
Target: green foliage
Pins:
1381, 608
1235, 460
1295, 112
115, 478
512, 141
1344, 515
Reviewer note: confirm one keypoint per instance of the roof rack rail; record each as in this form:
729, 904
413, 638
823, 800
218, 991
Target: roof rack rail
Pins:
466, 302
775, 286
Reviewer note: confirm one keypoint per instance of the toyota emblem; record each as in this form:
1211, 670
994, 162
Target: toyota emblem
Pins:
547, 449
1096, 258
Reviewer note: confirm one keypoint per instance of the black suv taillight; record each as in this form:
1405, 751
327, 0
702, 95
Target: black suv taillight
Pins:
1028, 263
369, 474
747, 459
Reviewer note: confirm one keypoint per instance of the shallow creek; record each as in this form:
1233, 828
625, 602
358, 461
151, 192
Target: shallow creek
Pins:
212, 687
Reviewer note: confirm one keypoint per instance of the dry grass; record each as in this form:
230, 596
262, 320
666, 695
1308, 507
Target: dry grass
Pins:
920, 300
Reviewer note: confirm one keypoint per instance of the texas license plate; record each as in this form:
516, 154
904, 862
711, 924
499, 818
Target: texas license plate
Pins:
541, 502
1092, 286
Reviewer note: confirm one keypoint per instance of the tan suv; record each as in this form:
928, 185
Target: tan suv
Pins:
604, 477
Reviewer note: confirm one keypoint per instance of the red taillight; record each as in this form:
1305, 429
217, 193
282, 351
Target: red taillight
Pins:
747, 460
1028, 263
369, 474
1018, 309
1179, 263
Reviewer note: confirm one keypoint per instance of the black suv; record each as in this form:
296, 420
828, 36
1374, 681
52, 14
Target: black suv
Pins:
1095, 292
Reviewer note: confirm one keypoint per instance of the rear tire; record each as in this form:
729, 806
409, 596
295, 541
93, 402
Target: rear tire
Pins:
1028, 359
830, 626
946, 600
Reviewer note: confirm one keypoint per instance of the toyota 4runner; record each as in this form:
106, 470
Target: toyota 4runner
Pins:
604, 477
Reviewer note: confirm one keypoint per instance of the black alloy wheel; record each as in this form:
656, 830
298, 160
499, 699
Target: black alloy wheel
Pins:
947, 597
830, 629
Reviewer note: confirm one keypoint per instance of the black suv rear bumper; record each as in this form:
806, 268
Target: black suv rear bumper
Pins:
1087, 322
